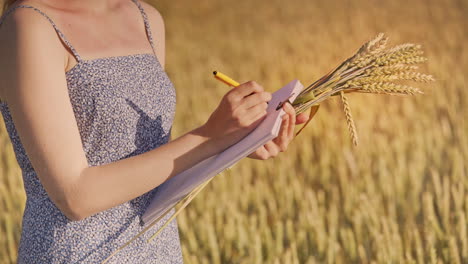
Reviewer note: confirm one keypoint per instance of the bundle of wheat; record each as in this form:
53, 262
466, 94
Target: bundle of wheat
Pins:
371, 70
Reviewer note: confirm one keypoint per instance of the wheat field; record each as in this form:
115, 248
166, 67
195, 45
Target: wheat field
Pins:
401, 196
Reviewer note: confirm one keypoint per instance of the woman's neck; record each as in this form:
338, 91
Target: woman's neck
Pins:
84, 6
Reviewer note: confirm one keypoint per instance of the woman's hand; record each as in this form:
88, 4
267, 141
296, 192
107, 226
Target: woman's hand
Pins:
239, 112
279, 144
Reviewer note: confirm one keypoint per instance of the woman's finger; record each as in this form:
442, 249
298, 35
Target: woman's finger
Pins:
247, 117
292, 121
256, 99
272, 148
282, 139
262, 153
302, 118
247, 88
256, 112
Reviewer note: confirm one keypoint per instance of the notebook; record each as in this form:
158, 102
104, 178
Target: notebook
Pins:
179, 186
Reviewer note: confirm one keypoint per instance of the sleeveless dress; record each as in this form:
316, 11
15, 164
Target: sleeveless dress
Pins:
124, 106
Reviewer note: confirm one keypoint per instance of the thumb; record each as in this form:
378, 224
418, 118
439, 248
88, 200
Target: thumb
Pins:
302, 118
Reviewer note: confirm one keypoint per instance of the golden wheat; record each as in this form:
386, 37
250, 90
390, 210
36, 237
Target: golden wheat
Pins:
370, 70
388, 70
349, 119
389, 88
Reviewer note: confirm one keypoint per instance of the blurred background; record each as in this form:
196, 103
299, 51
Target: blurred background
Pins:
401, 196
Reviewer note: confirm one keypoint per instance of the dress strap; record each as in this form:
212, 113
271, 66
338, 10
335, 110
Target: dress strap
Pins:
147, 26
61, 35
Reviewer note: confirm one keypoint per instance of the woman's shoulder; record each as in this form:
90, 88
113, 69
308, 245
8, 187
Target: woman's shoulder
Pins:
22, 31
26, 28
30, 19
155, 19
153, 14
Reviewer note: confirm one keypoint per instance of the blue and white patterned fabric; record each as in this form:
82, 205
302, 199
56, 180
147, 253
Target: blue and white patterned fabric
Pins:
124, 106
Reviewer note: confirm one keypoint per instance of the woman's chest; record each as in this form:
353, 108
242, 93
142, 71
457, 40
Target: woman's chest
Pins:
122, 102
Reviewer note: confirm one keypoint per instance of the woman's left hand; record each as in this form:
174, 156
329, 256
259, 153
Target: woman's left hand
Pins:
279, 144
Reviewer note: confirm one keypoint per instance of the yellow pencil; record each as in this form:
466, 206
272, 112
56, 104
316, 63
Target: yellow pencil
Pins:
225, 79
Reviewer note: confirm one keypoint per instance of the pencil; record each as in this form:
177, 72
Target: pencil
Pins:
225, 79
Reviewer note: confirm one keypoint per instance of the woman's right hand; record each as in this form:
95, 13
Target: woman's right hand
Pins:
239, 112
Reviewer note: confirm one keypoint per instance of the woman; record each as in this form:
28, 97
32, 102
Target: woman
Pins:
90, 125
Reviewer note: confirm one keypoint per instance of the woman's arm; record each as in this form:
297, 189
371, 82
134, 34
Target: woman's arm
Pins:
35, 88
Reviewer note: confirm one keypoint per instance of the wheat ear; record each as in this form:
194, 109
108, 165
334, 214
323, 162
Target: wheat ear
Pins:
349, 119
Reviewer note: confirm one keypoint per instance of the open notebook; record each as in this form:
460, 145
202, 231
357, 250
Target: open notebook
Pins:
179, 186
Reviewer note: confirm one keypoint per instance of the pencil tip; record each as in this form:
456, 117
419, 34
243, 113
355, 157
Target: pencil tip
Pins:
215, 72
